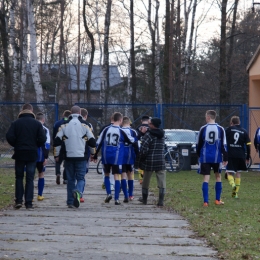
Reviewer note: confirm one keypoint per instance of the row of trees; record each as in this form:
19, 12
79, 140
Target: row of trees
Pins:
154, 45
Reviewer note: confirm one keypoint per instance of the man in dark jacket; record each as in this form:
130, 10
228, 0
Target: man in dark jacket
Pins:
152, 159
25, 134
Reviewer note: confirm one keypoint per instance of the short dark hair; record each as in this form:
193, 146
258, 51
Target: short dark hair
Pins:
235, 120
117, 116
212, 114
145, 118
66, 113
84, 112
27, 106
156, 121
40, 116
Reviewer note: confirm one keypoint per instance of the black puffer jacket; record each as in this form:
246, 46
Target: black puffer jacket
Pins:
26, 134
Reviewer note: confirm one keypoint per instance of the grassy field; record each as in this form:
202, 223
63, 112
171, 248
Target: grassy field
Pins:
6, 187
233, 228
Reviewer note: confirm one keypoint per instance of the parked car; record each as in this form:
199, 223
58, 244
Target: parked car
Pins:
174, 137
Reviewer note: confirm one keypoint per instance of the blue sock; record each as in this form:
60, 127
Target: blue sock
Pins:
130, 187
218, 189
107, 184
40, 186
117, 189
83, 188
205, 191
124, 187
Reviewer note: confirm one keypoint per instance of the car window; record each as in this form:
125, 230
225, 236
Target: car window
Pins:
179, 136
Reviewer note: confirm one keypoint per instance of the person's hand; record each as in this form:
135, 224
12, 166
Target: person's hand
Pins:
225, 163
57, 159
93, 158
45, 162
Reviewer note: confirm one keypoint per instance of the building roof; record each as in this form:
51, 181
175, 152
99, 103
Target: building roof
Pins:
255, 56
114, 76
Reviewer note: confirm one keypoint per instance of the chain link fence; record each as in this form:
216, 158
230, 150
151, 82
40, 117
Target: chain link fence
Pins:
173, 117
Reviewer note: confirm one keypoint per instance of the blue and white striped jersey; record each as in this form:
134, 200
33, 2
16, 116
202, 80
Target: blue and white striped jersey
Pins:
212, 144
129, 151
43, 151
112, 140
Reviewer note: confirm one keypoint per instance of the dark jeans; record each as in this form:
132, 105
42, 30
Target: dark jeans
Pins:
57, 169
20, 191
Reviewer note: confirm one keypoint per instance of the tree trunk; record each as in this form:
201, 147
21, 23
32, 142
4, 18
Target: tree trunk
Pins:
153, 65
23, 48
33, 53
90, 66
158, 86
231, 49
222, 50
105, 66
15, 53
167, 85
132, 60
188, 55
6, 67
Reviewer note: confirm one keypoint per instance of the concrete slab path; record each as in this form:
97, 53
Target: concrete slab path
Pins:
97, 230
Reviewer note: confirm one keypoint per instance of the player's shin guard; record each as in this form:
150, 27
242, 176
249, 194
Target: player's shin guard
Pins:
117, 189
124, 187
237, 182
205, 191
218, 189
130, 187
40, 186
231, 180
107, 185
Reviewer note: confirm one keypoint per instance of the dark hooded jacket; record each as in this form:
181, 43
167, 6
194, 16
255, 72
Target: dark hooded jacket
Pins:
26, 134
151, 155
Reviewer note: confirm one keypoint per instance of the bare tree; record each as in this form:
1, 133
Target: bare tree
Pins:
105, 67
90, 65
5, 42
33, 52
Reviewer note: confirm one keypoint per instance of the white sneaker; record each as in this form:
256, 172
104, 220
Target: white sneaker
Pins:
112, 187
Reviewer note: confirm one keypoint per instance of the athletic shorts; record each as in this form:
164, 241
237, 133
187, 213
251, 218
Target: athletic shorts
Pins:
205, 168
236, 165
116, 169
40, 168
127, 168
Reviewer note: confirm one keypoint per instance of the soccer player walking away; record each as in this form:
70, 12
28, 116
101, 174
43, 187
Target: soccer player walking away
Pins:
43, 154
257, 141
56, 126
237, 141
84, 114
129, 158
212, 152
112, 140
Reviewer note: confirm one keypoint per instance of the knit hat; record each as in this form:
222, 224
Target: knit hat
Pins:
156, 122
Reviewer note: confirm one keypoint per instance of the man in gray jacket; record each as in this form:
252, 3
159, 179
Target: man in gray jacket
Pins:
77, 138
